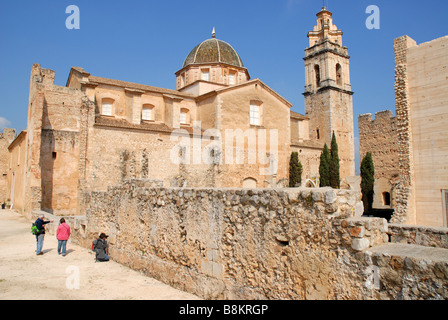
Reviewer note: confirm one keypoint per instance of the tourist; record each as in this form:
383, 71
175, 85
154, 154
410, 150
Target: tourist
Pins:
101, 248
62, 234
41, 234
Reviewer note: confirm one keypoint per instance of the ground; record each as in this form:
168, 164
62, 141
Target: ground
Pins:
25, 276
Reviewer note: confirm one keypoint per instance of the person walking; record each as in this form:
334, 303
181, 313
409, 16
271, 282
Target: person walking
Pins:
62, 234
40, 224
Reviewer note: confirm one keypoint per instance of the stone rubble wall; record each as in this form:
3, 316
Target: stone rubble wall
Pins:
251, 243
404, 212
436, 237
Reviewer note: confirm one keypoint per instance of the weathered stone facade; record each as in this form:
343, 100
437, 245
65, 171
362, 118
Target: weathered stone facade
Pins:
261, 243
218, 129
328, 95
380, 138
6, 138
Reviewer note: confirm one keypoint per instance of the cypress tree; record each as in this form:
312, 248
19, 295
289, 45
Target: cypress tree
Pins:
295, 170
335, 181
324, 167
367, 181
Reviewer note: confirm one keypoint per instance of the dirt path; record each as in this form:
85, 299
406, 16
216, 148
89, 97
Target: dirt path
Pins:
23, 275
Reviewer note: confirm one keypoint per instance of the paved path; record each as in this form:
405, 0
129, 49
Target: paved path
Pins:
23, 275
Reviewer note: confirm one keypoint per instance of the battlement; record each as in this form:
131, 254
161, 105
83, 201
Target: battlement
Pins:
381, 116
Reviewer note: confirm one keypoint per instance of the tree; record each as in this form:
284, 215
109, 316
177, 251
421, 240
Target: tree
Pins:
295, 170
335, 181
324, 167
367, 181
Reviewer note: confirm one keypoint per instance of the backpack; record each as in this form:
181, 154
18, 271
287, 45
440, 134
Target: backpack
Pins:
34, 229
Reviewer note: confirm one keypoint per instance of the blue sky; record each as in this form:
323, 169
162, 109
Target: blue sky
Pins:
147, 41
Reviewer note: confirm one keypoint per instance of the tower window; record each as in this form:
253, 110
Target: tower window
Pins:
317, 134
317, 75
338, 74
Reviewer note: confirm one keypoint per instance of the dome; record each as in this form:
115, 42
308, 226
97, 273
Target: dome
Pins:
213, 51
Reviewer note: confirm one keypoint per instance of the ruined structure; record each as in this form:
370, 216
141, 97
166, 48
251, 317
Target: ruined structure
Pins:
6, 138
410, 150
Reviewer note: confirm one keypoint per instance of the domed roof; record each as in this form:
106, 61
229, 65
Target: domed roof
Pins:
213, 51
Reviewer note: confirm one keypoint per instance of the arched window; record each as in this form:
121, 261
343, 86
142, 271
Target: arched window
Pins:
250, 183
338, 74
317, 75
147, 112
107, 107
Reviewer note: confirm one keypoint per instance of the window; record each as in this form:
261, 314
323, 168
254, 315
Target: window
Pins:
206, 74
106, 109
317, 75
254, 114
147, 112
338, 74
386, 198
184, 116
317, 134
232, 77
182, 80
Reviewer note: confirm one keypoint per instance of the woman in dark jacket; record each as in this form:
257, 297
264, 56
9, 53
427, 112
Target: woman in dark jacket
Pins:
101, 248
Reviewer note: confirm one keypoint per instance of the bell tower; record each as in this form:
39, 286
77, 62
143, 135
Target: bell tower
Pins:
328, 95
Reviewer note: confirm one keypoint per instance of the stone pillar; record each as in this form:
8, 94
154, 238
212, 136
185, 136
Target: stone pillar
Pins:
405, 210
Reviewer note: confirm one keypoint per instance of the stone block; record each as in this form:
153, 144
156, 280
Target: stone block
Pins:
360, 244
330, 197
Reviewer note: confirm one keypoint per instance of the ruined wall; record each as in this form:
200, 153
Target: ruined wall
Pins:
142, 153
379, 137
253, 244
405, 208
436, 237
6, 138
309, 155
16, 172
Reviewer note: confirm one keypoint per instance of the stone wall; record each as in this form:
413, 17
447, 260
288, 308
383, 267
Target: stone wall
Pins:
251, 243
436, 237
379, 137
6, 138
405, 210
